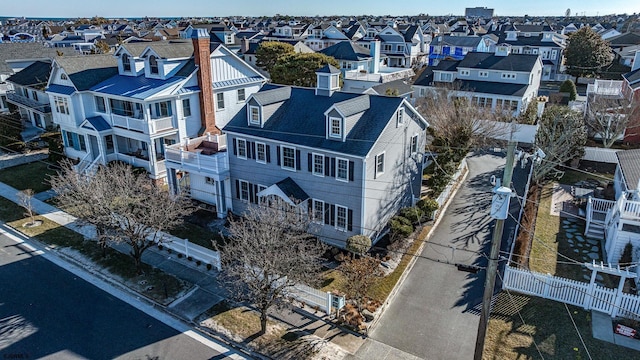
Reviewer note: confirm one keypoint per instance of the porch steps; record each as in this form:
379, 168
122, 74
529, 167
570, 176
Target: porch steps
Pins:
595, 231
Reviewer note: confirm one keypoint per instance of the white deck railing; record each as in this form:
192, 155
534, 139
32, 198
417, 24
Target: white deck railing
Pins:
147, 127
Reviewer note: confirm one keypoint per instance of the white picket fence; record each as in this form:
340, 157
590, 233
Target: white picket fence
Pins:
312, 297
596, 297
189, 249
442, 198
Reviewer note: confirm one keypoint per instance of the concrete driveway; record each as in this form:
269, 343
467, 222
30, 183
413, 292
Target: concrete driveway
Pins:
435, 314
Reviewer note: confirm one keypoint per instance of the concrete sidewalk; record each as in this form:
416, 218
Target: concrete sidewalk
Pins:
207, 291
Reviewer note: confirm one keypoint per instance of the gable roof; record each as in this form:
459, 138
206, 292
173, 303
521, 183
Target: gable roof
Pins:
625, 39
23, 51
347, 50
35, 75
353, 106
300, 120
462, 41
629, 161
633, 78
86, 71
512, 62
164, 49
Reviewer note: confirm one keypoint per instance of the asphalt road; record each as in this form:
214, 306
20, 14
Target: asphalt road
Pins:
435, 314
46, 311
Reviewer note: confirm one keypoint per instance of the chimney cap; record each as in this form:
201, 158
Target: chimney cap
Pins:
199, 33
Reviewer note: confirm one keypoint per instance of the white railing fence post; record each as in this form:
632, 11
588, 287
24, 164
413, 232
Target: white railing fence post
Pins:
186, 247
328, 306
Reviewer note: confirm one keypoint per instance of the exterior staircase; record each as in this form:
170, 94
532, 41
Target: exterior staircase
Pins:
597, 210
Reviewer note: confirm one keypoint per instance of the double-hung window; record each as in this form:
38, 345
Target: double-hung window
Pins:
254, 115
342, 169
288, 158
261, 153
379, 164
100, 104
318, 210
414, 144
186, 107
335, 127
241, 95
341, 218
244, 190
220, 101
318, 165
242, 148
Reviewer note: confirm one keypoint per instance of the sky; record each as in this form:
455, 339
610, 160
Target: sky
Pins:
207, 8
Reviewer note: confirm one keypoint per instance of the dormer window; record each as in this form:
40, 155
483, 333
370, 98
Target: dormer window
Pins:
153, 64
335, 127
254, 115
126, 62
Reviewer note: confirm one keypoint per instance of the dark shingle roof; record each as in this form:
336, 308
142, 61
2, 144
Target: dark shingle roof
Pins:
353, 106
462, 41
300, 120
328, 69
625, 39
273, 96
497, 88
629, 161
633, 78
400, 85
35, 75
87, 71
165, 49
513, 62
346, 50
291, 189
23, 51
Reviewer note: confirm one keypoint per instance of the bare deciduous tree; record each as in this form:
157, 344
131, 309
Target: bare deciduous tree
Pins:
609, 117
457, 118
268, 252
124, 206
561, 136
25, 197
360, 274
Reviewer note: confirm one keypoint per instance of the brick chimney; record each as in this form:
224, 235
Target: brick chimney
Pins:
201, 52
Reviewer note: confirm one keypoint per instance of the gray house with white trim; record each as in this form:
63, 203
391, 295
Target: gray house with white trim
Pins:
350, 160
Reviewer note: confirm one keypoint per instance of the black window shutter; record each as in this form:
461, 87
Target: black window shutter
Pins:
351, 170
251, 193
326, 166
350, 220
255, 194
333, 215
253, 149
268, 151
298, 161
310, 162
235, 147
278, 154
237, 183
333, 167
326, 214
310, 208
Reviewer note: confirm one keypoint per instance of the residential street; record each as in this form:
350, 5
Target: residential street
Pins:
46, 311
435, 314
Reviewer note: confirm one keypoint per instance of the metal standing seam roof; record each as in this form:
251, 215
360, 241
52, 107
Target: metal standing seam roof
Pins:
234, 82
99, 123
61, 89
629, 161
139, 87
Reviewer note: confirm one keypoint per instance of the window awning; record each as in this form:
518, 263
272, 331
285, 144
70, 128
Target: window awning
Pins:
287, 190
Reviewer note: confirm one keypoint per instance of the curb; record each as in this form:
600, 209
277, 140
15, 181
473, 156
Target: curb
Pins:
412, 261
93, 272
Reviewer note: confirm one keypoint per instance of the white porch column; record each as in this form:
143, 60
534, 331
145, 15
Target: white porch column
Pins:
152, 155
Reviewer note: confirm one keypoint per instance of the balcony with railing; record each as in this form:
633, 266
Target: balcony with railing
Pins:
605, 87
151, 126
24, 101
205, 153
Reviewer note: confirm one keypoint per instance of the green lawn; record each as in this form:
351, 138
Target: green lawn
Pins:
548, 324
28, 176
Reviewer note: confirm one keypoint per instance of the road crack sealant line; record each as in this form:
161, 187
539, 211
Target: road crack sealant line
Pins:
457, 184
123, 293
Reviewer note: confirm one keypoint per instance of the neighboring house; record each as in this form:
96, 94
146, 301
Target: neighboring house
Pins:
631, 90
617, 223
540, 40
156, 94
456, 47
502, 80
322, 36
13, 58
401, 49
29, 95
352, 161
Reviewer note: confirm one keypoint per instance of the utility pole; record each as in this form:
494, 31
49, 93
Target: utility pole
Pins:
492, 267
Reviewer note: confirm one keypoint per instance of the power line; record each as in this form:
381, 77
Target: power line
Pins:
577, 331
